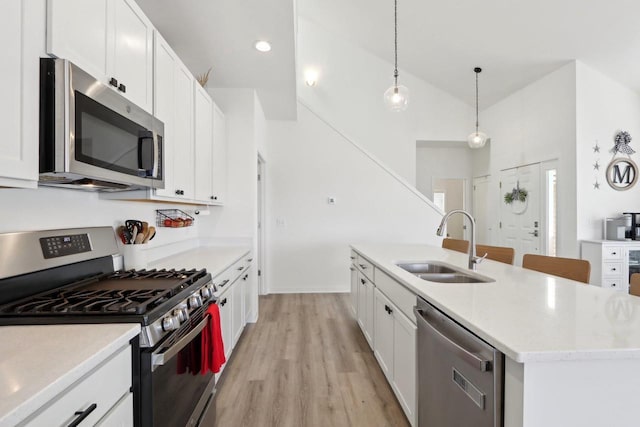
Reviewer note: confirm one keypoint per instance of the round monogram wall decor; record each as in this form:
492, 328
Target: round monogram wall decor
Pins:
622, 174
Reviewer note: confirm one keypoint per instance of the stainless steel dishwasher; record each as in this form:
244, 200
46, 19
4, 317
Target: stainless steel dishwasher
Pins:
460, 377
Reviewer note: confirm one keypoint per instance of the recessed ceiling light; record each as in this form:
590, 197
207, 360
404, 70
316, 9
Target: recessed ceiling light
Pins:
263, 46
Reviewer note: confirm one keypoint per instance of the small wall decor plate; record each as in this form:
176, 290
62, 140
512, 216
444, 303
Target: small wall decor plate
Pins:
622, 174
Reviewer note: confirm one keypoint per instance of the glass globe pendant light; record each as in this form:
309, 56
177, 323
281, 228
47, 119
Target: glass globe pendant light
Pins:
396, 98
477, 139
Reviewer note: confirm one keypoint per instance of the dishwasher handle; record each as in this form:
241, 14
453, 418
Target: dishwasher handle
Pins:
472, 358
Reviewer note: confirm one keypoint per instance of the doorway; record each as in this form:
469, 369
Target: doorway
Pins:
262, 286
528, 209
449, 194
482, 210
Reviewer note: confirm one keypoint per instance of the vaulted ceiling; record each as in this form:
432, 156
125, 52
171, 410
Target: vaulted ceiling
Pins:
514, 41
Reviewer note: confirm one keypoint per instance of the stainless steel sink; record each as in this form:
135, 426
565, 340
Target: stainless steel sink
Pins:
451, 278
426, 268
442, 273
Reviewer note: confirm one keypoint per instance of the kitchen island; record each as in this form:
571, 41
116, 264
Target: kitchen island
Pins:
572, 351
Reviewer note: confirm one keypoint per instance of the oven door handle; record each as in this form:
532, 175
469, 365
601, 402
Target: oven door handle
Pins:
160, 358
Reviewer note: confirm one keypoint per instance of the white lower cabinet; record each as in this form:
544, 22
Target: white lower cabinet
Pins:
224, 304
365, 307
395, 350
237, 308
106, 387
354, 292
391, 334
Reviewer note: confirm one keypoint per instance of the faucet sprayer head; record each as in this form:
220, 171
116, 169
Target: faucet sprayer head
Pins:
440, 231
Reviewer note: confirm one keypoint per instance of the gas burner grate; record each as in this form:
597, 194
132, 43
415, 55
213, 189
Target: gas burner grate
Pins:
122, 292
88, 302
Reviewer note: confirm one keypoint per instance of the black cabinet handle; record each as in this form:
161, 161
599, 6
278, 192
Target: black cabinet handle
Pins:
362, 266
363, 281
82, 415
388, 309
113, 82
180, 192
245, 277
240, 268
614, 253
613, 269
214, 197
223, 302
250, 259
122, 88
352, 257
224, 282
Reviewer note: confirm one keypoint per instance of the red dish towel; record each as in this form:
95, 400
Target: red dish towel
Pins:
212, 345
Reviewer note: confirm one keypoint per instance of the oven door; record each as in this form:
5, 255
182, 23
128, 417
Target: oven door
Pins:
174, 392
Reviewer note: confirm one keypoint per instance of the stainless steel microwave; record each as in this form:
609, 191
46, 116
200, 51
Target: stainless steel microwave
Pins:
92, 137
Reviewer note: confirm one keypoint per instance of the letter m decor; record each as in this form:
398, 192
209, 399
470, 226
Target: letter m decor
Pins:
622, 174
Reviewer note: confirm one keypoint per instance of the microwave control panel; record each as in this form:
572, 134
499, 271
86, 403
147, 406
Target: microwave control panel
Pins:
57, 246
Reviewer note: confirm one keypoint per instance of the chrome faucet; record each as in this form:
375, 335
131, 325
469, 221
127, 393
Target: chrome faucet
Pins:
473, 259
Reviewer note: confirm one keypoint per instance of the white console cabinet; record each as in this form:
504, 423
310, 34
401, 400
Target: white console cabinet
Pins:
612, 262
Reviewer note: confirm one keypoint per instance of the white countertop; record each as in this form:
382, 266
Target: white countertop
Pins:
38, 362
215, 259
529, 316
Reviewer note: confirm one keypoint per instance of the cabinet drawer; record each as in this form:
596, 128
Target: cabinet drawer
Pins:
397, 293
104, 387
120, 415
365, 267
612, 269
612, 252
617, 284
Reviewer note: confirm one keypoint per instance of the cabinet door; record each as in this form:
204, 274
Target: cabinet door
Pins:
362, 300
19, 100
383, 333
370, 301
77, 31
224, 304
121, 415
203, 135
164, 105
237, 297
404, 363
354, 291
219, 176
132, 57
183, 176
249, 293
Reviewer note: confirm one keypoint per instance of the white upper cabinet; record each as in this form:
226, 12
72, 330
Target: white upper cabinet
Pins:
19, 100
164, 106
183, 143
110, 39
132, 59
219, 161
203, 143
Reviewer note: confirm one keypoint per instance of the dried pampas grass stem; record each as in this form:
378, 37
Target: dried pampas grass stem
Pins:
203, 78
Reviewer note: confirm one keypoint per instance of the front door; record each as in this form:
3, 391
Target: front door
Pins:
520, 224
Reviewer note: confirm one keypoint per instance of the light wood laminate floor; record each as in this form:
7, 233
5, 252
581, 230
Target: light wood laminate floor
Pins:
304, 363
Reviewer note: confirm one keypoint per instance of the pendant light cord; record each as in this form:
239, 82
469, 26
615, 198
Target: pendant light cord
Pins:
395, 43
476, 101
477, 70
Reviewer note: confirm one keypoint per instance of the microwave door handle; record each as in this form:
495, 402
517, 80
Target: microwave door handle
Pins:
141, 140
160, 358
156, 155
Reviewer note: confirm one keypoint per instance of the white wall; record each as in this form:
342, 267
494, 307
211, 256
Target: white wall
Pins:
349, 95
604, 107
535, 124
52, 208
308, 246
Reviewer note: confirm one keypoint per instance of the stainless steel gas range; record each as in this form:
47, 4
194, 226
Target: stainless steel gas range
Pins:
68, 276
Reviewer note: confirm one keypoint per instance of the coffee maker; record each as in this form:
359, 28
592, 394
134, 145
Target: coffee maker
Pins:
633, 231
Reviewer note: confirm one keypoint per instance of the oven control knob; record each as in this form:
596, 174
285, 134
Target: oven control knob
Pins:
182, 313
170, 323
195, 301
205, 293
